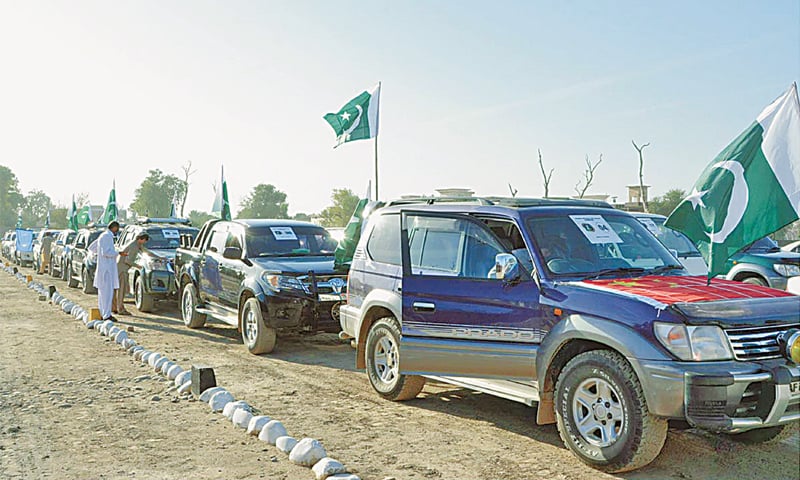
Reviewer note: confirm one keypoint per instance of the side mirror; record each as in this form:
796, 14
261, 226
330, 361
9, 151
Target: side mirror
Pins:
80, 245
506, 267
232, 253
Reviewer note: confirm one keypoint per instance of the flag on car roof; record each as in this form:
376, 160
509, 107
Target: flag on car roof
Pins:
750, 190
344, 252
72, 216
357, 119
110, 213
222, 207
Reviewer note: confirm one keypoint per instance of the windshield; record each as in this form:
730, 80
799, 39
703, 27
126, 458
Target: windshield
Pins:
281, 241
93, 236
764, 245
672, 239
167, 238
594, 245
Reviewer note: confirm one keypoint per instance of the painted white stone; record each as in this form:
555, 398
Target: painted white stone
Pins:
185, 388
218, 401
166, 366
209, 392
285, 444
93, 324
173, 371
154, 358
257, 424
140, 354
344, 476
182, 378
241, 418
231, 408
120, 337
134, 350
145, 355
327, 467
159, 363
272, 431
307, 452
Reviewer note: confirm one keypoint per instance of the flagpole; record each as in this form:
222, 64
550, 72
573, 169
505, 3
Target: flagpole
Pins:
377, 131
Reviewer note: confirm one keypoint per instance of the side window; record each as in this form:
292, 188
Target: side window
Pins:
384, 243
233, 240
218, 238
451, 247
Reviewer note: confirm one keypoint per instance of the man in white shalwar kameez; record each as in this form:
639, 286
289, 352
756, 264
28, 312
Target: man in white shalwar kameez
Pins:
106, 279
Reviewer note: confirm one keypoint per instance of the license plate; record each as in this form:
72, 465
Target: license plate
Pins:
330, 297
794, 389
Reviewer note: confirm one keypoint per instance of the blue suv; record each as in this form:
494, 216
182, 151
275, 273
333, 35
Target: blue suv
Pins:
574, 307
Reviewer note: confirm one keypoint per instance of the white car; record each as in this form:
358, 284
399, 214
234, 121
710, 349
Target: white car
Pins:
792, 247
678, 243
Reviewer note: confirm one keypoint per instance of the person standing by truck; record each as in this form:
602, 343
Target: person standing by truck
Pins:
127, 255
106, 279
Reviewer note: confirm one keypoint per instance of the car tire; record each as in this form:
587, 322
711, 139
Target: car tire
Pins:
64, 271
256, 335
144, 301
382, 354
71, 282
88, 282
52, 270
189, 301
600, 391
755, 280
762, 435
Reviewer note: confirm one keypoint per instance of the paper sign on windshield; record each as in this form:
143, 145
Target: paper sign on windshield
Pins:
650, 225
596, 229
170, 233
283, 233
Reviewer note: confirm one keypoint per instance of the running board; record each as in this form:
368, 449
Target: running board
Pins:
231, 320
526, 393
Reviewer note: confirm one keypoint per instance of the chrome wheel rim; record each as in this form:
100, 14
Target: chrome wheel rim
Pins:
138, 294
597, 412
250, 326
187, 305
385, 359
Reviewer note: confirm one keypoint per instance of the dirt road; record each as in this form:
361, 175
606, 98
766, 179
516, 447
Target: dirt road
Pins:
74, 406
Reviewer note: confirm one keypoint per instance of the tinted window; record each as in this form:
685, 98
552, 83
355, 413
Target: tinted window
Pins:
166, 237
218, 237
384, 243
675, 240
293, 241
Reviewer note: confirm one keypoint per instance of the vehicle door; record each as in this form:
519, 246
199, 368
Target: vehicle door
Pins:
458, 319
209, 263
231, 270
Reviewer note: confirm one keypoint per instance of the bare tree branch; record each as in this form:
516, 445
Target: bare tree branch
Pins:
588, 176
545, 176
512, 190
187, 172
642, 196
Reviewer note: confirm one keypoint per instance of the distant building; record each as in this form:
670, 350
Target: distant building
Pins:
455, 192
635, 195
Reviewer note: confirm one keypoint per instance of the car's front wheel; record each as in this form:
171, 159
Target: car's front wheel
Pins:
257, 337
52, 270
602, 414
144, 301
88, 282
71, 278
382, 356
756, 281
189, 300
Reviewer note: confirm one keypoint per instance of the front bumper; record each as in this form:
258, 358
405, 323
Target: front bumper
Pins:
724, 396
283, 311
160, 283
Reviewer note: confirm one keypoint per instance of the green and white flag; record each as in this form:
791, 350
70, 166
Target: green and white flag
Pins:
221, 207
750, 190
85, 215
72, 216
358, 119
343, 255
110, 213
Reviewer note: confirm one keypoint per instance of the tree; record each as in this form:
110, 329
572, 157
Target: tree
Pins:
641, 179
302, 217
338, 214
157, 192
588, 177
665, 204
58, 217
187, 172
35, 206
198, 218
10, 198
513, 191
265, 201
545, 176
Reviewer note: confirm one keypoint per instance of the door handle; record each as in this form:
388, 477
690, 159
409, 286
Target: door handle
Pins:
424, 307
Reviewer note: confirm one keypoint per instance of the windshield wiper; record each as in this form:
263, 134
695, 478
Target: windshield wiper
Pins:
609, 271
666, 268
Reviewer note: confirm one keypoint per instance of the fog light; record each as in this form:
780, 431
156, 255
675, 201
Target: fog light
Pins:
790, 343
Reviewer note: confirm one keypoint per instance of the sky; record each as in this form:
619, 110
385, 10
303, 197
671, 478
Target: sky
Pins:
98, 91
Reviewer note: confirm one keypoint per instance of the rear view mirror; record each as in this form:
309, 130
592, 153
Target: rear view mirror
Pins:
232, 253
506, 267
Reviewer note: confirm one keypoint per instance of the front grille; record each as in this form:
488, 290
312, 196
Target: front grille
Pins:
323, 283
757, 343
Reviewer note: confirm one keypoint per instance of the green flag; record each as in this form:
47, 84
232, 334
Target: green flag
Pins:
750, 190
72, 216
110, 213
84, 216
221, 207
352, 234
358, 119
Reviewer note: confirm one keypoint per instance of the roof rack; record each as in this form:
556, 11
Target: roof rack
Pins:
515, 202
433, 200
175, 220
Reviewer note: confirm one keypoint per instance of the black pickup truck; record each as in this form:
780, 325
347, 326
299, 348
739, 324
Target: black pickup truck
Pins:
260, 276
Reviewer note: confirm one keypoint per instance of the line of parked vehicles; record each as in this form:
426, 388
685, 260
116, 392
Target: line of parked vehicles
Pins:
591, 314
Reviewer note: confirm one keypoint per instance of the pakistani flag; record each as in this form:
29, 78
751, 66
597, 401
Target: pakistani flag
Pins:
110, 213
221, 207
750, 190
358, 119
72, 216
85, 215
343, 255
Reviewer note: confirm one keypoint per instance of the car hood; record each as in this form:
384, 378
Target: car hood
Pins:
772, 257
723, 302
168, 254
300, 265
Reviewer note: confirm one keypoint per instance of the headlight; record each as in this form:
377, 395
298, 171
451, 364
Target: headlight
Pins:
276, 281
787, 269
698, 343
158, 264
